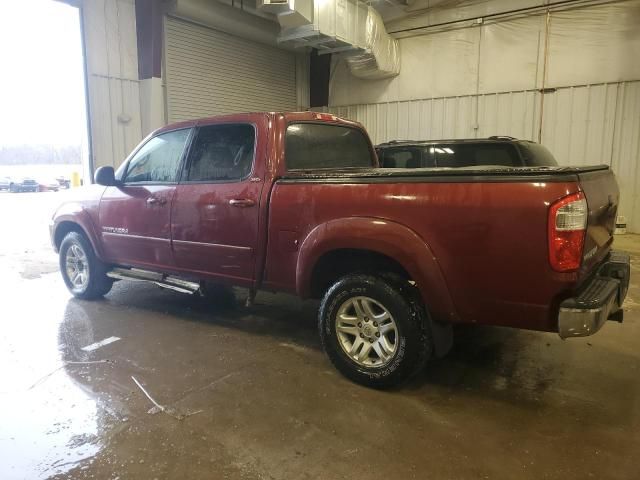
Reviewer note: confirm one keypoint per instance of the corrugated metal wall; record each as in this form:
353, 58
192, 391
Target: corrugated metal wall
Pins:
112, 79
209, 72
588, 124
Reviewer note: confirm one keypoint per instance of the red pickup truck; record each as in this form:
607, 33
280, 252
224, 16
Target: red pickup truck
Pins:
296, 202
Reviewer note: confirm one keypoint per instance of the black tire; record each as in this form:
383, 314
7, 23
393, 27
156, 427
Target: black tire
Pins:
98, 284
414, 343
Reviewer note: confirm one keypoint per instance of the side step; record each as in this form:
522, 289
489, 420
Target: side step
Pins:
162, 280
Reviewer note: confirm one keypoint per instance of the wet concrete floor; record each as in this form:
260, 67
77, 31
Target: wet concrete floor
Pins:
249, 394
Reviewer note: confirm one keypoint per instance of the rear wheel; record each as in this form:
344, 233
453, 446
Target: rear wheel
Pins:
374, 330
83, 273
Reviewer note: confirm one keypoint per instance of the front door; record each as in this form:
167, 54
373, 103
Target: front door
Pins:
135, 216
216, 206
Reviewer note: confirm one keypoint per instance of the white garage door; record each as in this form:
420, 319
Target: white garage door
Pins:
212, 73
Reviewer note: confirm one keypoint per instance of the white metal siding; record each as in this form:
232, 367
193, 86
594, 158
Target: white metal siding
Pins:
213, 73
112, 79
581, 125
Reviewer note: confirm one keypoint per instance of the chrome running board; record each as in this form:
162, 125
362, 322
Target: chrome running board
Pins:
162, 280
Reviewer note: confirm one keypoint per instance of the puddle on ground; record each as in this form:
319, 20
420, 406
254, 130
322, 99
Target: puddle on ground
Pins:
48, 423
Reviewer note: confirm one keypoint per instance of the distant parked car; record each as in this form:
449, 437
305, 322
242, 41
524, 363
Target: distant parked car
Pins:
63, 182
48, 185
24, 185
492, 151
4, 183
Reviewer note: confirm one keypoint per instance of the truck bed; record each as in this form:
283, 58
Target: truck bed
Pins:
486, 228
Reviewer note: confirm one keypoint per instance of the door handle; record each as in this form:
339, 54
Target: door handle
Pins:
241, 202
156, 201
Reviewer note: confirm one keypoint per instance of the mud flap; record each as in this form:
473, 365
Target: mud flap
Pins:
442, 338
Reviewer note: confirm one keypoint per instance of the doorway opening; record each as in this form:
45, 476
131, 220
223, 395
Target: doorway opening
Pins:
44, 144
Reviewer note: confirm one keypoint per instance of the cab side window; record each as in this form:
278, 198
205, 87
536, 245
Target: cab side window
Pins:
222, 153
158, 160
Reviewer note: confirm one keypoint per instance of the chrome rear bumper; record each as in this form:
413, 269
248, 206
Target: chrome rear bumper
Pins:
599, 300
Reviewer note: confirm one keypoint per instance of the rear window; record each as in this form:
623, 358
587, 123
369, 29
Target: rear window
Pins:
536, 155
311, 146
475, 155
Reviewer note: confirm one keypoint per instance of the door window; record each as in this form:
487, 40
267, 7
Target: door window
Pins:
158, 160
222, 153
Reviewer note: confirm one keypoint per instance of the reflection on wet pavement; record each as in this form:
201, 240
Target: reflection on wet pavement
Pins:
48, 423
503, 404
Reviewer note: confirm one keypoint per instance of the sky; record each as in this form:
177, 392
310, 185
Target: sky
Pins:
41, 76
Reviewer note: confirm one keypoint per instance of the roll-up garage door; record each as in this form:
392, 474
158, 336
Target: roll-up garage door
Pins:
209, 72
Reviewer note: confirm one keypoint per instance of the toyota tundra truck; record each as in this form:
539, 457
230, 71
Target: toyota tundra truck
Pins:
297, 203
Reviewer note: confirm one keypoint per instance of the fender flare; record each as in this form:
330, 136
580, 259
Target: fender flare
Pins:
75, 213
386, 237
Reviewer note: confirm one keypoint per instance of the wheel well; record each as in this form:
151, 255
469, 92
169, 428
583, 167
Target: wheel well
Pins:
338, 263
63, 229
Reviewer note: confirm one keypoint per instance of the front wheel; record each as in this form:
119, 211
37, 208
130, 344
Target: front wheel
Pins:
374, 330
83, 273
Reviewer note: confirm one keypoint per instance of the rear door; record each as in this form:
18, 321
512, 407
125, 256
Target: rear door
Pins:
216, 207
135, 216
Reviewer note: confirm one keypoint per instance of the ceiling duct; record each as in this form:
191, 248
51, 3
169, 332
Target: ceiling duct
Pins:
348, 27
381, 56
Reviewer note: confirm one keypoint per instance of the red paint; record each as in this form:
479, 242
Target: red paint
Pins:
144, 214
478, 250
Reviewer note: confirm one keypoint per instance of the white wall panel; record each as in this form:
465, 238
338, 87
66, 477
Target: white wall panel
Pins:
579, 123
448, 117
511, 55
435, 66
513, 114
112, 79
625, 154
595, 45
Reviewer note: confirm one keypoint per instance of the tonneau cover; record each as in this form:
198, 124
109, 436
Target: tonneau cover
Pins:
505, 173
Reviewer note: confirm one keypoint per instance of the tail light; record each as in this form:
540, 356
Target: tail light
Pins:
567, 225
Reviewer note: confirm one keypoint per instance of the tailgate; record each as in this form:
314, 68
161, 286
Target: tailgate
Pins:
601, 191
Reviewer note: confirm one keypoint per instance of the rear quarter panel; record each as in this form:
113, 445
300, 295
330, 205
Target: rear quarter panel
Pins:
489, 240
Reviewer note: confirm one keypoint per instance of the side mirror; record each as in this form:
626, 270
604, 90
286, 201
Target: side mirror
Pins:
105, 176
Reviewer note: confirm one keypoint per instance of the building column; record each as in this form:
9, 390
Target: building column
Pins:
149, 23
